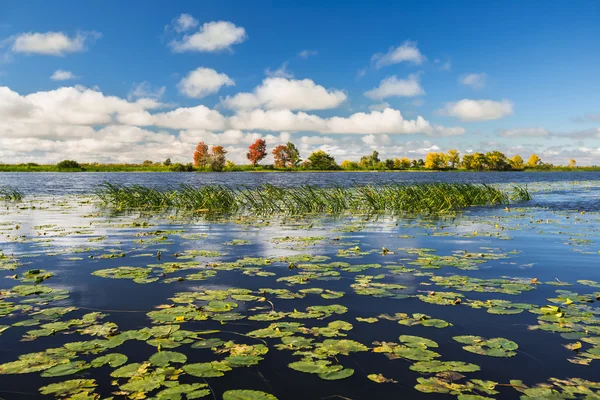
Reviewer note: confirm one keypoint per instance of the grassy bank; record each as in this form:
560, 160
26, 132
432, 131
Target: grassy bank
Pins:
268, 199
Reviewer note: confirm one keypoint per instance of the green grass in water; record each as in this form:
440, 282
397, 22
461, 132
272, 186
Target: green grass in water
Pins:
8, 193
269, 199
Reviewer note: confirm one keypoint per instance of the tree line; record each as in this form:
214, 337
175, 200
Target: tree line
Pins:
288, 157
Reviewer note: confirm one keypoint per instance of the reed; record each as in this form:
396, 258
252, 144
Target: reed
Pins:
8, 193
269, 199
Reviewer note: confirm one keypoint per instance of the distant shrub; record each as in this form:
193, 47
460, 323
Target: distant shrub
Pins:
178, 167
68, 164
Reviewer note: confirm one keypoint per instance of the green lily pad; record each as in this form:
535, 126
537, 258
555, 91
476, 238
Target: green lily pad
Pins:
247, 395
164, 358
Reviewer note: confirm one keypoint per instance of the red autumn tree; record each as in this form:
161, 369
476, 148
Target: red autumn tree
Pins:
281, 156
257, 151
201, 156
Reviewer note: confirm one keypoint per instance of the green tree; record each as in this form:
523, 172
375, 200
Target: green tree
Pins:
68, 164
389, 163
217, 158
467, 161
293, 154
320, 160
350, 165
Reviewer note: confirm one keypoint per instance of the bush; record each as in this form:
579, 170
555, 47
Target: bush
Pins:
68, 164
178, 167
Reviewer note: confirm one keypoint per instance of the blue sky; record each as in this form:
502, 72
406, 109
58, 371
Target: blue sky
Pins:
517, 76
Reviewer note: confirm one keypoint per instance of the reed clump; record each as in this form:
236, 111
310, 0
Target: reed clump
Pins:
8, 193
268, 199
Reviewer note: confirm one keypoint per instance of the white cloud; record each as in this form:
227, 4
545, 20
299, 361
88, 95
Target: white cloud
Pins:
280, 72
376, 140
184, 22
203, 81
88, 125
308, 53
474, 80
407, 52
478, 110
62, 75
212, 36
198, 117
312, 140
66, 106
376, 122
394, 87
52, 43
291, 94
144, 90
524, 132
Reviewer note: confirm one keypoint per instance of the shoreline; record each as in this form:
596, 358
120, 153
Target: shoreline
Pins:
581, 169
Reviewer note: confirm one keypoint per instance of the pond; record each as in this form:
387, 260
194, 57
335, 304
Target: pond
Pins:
489, 302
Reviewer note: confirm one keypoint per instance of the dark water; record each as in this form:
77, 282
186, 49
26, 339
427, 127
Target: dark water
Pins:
550, 240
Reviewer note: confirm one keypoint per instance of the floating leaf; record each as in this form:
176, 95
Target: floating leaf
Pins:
164, 358
247, 395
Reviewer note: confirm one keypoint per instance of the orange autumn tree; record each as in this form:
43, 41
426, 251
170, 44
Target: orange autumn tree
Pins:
281, 156
257, 151
201, 156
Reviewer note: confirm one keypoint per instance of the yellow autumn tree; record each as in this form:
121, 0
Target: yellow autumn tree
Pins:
516, 162
534, 161
435, 161
453, 158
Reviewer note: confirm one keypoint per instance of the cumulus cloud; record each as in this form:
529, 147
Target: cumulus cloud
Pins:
376, 122
478, 110
406, 52
67, 106
212, 36
394, 87
88, 125
524, 132
307, 53
62, 75
52, 43
203, 81
291, 94
474, 80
